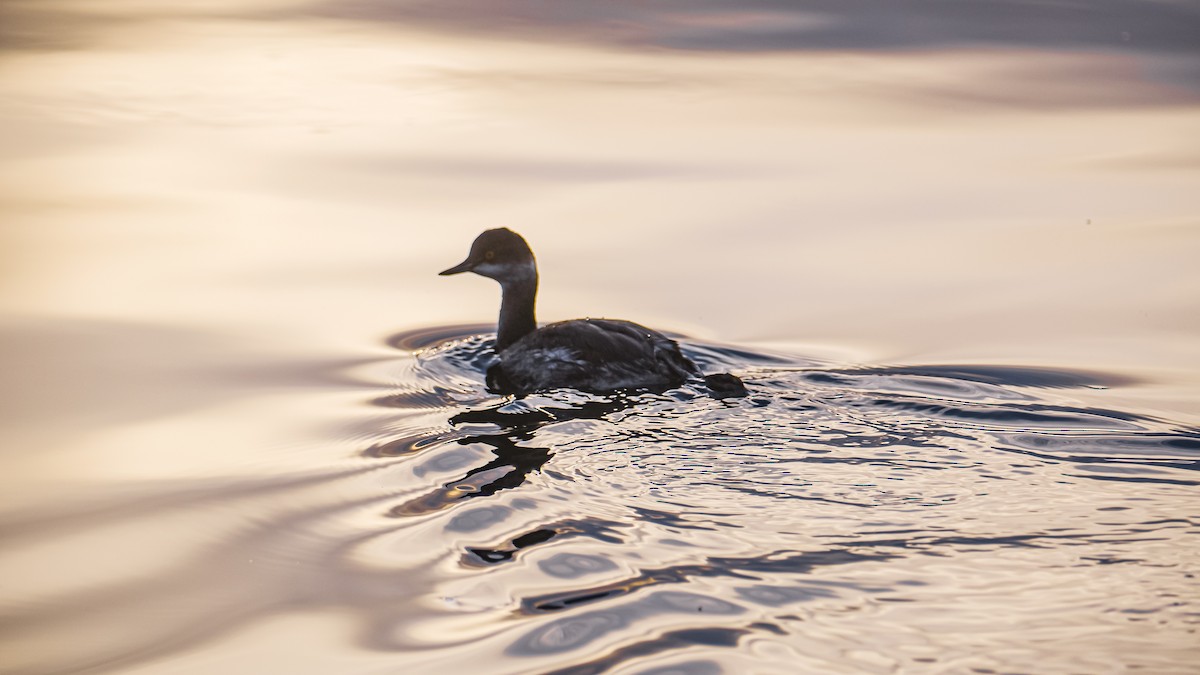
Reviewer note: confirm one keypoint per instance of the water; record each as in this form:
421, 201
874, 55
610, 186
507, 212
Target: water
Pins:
951, 250
838, 519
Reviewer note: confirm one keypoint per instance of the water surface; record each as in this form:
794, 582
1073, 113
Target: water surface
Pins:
949, 246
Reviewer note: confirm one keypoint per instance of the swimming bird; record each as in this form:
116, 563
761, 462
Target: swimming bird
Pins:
594, 355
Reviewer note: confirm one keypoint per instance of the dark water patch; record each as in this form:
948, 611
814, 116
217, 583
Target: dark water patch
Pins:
738, 568
1037, 415
1180, 447
669, 641
596, 529
1147, 450
1005, 376
689, 667
526, 415
509, 469
578, 630
765, 595
1136, 479
805, 26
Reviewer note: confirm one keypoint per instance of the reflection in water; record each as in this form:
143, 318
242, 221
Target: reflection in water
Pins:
834, 511
804, 25
741, 568
906, 424
210, 465
518, 421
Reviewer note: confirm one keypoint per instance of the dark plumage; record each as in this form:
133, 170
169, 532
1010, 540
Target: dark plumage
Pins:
588, 354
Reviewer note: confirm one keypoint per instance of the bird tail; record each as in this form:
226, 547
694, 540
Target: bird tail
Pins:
725, 385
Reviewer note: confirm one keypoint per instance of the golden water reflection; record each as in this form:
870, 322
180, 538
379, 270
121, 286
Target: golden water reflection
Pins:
214, 213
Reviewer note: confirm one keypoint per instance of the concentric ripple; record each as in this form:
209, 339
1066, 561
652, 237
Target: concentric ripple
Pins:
838, 519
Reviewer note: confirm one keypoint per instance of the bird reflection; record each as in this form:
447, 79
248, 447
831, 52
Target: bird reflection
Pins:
515, 424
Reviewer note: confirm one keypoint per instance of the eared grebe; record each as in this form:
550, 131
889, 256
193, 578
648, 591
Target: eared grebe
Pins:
593, 355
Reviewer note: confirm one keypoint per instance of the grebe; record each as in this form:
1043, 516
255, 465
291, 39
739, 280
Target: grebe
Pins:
595, 355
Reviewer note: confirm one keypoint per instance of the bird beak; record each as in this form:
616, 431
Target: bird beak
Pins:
464, 266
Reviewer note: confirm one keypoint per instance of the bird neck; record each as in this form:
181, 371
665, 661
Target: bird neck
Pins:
516, 311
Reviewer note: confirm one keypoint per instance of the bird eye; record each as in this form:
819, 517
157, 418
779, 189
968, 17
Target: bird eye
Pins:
489, 255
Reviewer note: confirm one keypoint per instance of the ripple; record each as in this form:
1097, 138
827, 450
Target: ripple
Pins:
575, 565
569, 633
643, 499
893, 513
420, 338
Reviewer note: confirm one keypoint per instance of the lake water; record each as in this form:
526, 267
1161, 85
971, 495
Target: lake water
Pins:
950, 247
